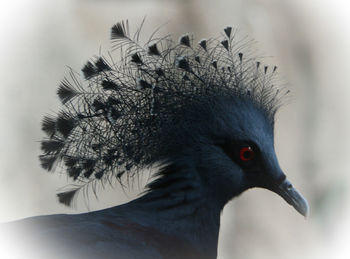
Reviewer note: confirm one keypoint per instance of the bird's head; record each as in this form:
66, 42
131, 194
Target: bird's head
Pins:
230, 140
208, 104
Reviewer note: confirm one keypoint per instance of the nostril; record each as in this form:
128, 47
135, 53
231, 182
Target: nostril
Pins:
289, 186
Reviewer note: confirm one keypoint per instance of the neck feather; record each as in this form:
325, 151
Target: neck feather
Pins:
179, 204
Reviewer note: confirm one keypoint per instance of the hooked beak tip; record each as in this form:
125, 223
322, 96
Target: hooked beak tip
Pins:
293, 197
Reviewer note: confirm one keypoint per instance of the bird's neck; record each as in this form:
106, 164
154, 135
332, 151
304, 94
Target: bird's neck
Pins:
177, 204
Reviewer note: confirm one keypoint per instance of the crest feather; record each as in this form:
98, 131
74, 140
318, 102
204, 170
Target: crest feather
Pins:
116, 121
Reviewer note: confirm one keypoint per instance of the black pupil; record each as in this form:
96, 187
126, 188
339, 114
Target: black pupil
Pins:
247, 154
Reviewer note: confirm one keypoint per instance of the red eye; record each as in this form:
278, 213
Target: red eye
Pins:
246, 153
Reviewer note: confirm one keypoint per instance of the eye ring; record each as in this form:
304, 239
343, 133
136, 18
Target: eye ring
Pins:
246, 154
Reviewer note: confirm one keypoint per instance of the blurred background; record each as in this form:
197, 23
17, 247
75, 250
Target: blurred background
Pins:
307, 40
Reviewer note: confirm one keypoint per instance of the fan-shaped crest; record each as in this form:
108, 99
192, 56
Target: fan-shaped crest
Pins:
113, 122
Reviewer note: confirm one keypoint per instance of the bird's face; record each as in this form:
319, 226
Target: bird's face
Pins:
242, 156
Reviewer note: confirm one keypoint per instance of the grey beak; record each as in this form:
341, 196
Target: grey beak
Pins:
293, 197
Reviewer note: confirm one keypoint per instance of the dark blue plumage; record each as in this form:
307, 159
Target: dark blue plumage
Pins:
204, 115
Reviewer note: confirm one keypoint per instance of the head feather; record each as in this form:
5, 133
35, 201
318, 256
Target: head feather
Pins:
117, 120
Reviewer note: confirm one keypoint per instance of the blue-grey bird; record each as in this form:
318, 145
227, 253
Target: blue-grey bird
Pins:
201, 115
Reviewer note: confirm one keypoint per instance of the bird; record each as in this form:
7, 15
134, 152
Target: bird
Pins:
200, 115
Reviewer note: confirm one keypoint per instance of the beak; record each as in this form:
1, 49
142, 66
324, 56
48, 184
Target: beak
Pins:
273, 179
292, 196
